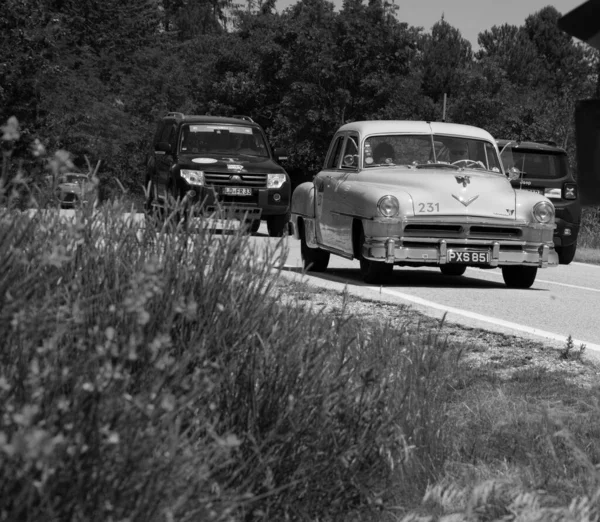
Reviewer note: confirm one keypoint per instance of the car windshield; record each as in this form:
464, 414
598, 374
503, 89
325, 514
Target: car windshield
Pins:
222, 139
536, 164
429, 150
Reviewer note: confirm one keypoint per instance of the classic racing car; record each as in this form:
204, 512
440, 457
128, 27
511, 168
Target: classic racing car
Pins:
414, 193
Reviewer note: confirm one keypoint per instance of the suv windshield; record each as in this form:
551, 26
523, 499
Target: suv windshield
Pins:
407, 149
535, 163
222, 139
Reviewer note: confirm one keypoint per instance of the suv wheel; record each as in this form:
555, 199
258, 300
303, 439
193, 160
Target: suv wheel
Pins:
566, 253
519, 276
278, 225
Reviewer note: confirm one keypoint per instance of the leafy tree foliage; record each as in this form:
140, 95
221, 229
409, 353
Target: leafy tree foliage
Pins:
94, 77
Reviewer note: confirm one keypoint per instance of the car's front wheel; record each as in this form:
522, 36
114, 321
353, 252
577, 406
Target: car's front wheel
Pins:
519, 276
566, 254
453, 270
373, 272
313, 259
277, 226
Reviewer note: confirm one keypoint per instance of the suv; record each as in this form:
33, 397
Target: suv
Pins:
543, 167
222, 164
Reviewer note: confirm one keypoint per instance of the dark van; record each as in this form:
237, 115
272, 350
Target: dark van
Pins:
543, 167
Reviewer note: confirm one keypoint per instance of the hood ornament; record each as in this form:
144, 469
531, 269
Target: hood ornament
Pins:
465, 202
465, 180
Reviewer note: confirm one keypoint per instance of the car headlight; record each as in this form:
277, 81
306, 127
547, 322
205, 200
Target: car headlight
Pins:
275, 181
388, 206
554, 193
543, 212
193, 177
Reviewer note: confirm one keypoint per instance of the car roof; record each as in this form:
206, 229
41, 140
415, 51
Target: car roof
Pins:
196, 118
416, 127
531, 145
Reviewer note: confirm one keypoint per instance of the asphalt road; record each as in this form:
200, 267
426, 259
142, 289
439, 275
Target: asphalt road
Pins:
564, 301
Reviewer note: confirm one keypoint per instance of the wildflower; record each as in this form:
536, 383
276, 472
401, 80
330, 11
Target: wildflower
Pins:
38, 149
61, 162
10, 131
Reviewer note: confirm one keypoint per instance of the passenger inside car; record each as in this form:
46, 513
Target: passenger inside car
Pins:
383, 153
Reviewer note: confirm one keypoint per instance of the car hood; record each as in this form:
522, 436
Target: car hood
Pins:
447, 192
230, 163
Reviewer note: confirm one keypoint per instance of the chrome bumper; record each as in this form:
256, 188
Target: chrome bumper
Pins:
392, 251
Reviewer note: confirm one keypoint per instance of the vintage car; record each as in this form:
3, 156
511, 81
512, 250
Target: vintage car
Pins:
412, 193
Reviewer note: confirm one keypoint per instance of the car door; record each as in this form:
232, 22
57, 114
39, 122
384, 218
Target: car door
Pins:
322, 182
335, 196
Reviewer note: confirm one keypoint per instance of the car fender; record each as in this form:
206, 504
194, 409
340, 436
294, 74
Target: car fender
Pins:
303, 200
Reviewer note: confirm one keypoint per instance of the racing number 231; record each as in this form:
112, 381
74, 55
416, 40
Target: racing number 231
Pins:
429, 207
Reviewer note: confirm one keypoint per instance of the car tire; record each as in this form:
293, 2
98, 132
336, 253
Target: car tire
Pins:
519, 276
277, 226
313, 259
373, 272
453, 270
566, 254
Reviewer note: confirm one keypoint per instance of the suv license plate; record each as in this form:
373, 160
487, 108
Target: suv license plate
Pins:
236, 191
480, 257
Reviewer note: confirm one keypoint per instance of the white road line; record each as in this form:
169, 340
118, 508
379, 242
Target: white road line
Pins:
488, 272
485, 318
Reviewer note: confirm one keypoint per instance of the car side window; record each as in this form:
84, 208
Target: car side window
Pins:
335, 153
350, 156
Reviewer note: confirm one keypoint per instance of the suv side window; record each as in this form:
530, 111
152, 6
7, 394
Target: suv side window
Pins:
335, 153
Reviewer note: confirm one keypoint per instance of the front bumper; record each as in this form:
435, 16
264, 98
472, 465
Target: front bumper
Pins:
392, 250
262, 203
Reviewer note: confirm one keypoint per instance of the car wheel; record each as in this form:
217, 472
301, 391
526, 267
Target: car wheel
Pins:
453, 270
373, 272
519, 276
566, 253
278, 225
313, 259
251, 226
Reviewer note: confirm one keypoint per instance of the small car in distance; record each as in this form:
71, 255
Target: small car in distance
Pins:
543, 167
411, 193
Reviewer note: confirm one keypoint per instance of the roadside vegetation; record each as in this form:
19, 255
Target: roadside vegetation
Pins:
157, 373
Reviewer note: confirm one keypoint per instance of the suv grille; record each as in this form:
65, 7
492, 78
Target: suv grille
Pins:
224, 179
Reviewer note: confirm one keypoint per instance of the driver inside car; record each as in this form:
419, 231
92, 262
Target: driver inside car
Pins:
458, 151
384, 154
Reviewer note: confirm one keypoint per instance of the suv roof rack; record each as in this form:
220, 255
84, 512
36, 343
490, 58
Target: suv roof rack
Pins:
241, 117
178, 115
548, 142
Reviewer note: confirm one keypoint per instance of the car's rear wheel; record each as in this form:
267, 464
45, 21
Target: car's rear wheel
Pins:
278, 225
313, 259
566, 254
519, 276
453, 270
373, 272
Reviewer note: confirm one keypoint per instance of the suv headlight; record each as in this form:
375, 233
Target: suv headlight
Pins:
275, 181
388, 206
554, 193
543, 212
193, 177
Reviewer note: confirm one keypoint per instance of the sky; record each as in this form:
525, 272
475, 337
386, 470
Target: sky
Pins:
469, 16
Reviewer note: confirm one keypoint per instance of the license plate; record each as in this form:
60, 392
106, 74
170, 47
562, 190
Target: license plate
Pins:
480, 257
236, 191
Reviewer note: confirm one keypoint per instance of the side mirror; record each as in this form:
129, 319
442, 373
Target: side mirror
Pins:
514, 173
164, 146
280, 154
587, 135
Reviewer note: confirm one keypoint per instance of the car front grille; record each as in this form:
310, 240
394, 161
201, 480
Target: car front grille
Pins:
462, 231
222, 179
